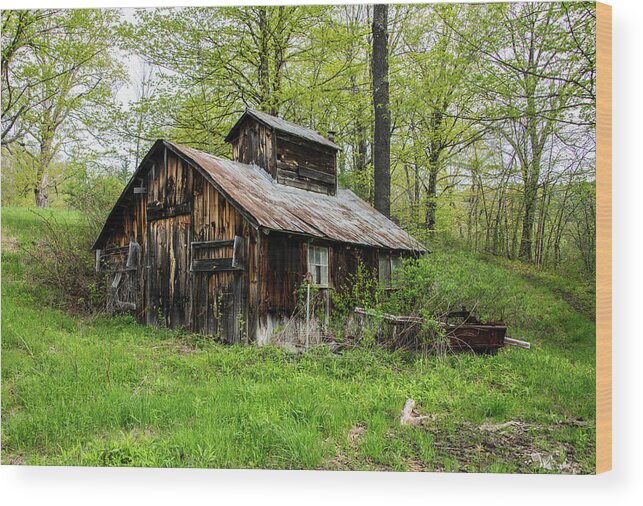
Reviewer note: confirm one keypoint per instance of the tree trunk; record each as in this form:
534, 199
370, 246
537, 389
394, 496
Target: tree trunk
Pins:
42, 196
431, 195
531, 175
264, 59
360, 147
540, 231
41, 183
382, 137
527, 223
278, 63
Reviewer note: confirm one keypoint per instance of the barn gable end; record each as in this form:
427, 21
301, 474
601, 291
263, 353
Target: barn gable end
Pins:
185, 230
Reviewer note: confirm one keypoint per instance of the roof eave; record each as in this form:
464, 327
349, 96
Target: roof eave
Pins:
413, 250
233, 133
124, 194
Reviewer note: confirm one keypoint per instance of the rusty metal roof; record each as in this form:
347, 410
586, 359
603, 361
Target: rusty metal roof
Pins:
343, 217
282, 125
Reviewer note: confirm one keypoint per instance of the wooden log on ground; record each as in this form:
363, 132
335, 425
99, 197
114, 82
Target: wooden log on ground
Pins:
407, 412
517, 342
410, 417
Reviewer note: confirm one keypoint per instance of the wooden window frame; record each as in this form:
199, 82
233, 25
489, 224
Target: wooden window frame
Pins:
394, 263
313, 265
131, 255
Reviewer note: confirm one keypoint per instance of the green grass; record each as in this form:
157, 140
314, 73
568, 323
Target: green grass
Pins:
108, 391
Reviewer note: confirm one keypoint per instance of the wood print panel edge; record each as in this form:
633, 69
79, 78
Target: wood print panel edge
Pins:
603, 238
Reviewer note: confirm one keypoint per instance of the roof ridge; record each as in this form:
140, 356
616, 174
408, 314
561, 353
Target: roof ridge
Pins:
282, 125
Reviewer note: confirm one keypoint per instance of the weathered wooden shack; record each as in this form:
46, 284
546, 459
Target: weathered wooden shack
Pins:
221, 246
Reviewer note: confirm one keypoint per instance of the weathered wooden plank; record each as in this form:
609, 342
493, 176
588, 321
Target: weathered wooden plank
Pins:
297, 143
238, 252
318, 175
517, 342
213, 265
212, 244
115, 250
287, 170
156, 213
303, 184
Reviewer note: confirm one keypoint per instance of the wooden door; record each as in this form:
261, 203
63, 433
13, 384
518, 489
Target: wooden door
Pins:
220, 302
123, 264
168, 291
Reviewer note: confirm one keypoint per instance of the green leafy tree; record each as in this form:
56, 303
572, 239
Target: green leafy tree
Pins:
536, 83
66, 74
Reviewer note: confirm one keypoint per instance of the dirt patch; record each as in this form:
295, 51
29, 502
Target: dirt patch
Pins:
525, 447
345, 458
513, 446
340, 462
9, 244
13, 460
138, 433
575, 304
356, 433
415, 466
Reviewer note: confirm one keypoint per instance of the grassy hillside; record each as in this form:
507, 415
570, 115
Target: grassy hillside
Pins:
108, 391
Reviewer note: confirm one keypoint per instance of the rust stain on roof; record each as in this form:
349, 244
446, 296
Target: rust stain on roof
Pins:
343, 217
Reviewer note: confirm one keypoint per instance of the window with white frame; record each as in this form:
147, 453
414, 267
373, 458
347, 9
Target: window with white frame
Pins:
318, 264
389, 263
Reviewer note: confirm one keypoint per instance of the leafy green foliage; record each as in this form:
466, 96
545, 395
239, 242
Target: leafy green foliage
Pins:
58, 77
93, 194
492, 133
361, 289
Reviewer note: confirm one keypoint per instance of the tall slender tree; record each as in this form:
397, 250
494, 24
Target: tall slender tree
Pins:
382, 136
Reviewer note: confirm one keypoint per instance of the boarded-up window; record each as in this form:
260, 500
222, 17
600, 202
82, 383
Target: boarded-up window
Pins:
389, 263
318, 264
217, 256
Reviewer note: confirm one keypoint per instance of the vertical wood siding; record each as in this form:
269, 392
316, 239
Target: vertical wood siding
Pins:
284, 264
220, 298
183, 207
255, 144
